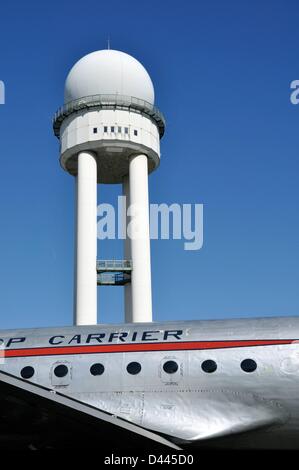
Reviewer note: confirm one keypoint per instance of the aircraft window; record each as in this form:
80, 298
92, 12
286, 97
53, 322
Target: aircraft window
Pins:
209, 366
27, 372
134, 368
248, 365
170, 367
61, 370
97, 369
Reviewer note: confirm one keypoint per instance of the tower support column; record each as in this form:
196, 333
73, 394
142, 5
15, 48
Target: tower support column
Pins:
85, 308
139, 233
127, 252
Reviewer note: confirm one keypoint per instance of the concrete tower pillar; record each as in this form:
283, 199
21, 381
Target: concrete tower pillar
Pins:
85, 311
127, 252
139, 233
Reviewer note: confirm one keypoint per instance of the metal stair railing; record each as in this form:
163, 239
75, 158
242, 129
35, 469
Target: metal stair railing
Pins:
114, 266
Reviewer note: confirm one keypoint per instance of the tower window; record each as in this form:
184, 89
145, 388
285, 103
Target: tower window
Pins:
61, 370
209, 366
135, 132
105, 129
248, 365
27, 372
112, 128
170, 367
119, 130
126, 130
95, 130
97, 369
134, 368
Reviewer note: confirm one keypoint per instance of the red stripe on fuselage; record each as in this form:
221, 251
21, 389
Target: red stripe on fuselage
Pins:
139, 347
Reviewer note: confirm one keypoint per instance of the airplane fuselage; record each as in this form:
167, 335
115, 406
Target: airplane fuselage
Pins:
212, 383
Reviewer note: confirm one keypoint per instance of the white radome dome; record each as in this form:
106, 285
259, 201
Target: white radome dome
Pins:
108, 72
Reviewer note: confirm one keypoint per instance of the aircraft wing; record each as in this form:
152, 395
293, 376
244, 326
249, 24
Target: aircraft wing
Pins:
36, 417
221, 418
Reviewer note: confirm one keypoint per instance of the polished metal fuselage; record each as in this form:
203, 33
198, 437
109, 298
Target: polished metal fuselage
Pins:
225, 408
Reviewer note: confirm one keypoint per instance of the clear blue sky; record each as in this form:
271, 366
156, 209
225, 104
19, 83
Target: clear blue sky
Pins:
221, 71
